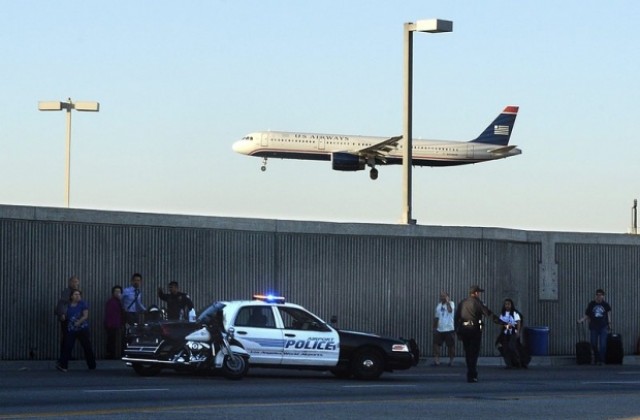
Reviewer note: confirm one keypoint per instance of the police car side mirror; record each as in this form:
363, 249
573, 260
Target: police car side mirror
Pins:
334, 319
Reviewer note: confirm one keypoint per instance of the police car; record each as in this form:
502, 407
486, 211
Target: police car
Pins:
280, 334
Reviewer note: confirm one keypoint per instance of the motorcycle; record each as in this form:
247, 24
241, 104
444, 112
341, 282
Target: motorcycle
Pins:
203, 345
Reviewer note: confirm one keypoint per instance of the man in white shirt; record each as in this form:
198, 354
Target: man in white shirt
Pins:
443, 329
132, 300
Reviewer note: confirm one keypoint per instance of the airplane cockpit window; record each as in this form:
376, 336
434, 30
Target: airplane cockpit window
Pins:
250, 138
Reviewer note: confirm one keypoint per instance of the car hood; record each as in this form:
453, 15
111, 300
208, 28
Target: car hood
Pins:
358, 333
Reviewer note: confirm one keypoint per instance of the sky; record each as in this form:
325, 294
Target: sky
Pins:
179, 82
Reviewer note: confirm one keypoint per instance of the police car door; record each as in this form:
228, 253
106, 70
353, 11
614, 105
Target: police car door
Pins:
256, 330
307, 339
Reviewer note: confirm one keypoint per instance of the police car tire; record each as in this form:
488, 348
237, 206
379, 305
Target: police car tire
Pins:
367, 364
146, 369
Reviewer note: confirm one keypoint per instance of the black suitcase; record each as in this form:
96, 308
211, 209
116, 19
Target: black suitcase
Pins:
583, 349
615, 352
583, 353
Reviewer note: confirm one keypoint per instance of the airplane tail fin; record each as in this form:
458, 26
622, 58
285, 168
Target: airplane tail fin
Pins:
499, 131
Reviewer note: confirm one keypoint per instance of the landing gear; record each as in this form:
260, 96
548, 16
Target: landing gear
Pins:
371, 162
264, 164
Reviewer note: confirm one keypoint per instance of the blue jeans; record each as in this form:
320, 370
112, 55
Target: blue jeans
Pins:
599, 343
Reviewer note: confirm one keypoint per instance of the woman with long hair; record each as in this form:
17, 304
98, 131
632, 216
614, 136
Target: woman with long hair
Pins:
508, 341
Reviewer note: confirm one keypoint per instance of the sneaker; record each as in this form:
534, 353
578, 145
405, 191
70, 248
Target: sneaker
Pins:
472, 380
60, 368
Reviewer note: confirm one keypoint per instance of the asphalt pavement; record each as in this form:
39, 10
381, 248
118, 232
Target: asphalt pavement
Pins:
552, 387
548, 361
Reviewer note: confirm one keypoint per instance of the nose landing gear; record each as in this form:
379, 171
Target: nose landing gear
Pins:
264, 164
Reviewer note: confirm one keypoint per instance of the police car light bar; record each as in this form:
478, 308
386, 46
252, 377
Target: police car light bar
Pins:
269, 298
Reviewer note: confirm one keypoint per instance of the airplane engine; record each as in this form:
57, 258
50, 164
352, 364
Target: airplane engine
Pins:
346, 162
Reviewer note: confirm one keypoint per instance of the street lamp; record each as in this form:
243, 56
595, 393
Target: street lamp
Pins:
68, 106
431, 26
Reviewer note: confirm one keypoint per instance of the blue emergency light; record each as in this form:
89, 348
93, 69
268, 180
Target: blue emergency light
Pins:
269, 298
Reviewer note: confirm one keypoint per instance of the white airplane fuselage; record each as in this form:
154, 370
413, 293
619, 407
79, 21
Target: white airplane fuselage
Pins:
354, 153
315, 146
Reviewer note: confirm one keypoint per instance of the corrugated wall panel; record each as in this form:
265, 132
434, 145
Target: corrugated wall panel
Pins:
391, 285
373, 278
583, 268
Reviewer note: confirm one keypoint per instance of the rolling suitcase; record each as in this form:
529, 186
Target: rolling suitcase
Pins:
615, 352
583, 349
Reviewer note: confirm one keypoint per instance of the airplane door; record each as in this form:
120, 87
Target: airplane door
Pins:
320, 144
265, 140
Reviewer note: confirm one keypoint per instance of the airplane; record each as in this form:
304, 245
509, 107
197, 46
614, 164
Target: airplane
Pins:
354, 152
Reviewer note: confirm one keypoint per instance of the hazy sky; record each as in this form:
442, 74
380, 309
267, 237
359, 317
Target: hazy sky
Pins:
179, 82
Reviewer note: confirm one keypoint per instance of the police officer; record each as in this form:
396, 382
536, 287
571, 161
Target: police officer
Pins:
178, 303
468, 322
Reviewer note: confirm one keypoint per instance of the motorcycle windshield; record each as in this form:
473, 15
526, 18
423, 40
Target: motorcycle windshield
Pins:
209, 314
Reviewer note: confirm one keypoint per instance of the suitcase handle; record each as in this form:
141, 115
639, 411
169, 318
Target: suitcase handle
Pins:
581, 334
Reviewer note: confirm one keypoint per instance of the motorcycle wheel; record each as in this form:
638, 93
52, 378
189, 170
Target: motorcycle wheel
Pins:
146, 369
234, 367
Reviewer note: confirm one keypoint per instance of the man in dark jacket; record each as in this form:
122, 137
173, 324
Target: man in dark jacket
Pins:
178, 303
468, 322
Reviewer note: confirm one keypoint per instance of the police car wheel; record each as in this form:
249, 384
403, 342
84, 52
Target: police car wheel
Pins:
367, 364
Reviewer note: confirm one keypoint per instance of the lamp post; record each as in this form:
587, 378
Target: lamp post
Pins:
68, 106
431, 26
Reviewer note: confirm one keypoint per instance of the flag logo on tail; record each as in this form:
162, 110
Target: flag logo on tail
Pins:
501, 130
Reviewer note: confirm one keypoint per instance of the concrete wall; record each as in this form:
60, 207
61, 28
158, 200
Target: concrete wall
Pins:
379, 278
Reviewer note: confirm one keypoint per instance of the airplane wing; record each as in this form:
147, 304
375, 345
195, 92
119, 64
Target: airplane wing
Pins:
379, 150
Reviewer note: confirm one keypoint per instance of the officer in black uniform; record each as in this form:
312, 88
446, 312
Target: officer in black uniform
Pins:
177, 302
468, 323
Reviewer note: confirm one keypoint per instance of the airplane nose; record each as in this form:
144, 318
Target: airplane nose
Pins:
237, 146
